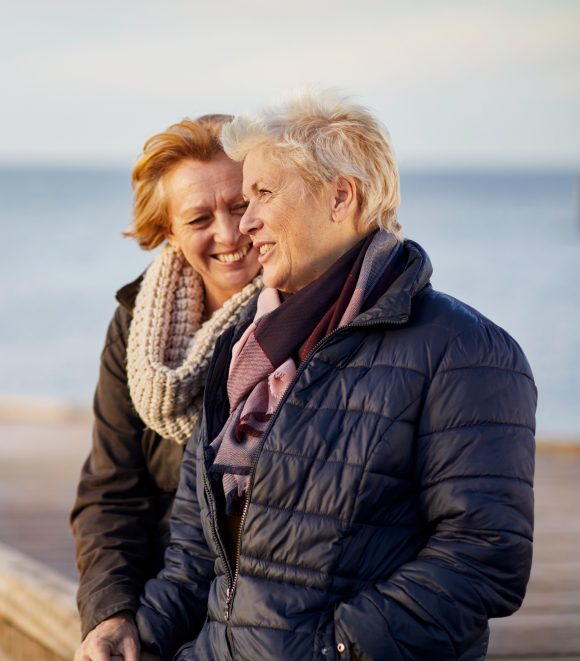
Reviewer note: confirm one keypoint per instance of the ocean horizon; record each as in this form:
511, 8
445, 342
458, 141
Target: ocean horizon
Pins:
505, 241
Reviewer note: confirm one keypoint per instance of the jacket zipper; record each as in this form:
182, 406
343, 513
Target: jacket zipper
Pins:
234, 580
232, 589
217, 540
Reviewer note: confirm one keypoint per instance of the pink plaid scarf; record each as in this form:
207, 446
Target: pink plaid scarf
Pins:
264, 359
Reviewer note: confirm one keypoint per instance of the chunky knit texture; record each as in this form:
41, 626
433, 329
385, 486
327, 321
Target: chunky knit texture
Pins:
169, 348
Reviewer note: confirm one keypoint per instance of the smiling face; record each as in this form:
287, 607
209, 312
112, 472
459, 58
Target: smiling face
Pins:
205, 206
298, 236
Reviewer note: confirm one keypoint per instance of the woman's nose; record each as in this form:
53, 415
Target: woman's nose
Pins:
228, 230
249, 223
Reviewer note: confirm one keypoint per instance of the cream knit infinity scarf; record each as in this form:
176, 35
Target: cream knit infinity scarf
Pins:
169, 349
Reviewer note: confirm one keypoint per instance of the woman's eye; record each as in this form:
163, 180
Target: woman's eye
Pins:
264, 192
240, 208
199, 221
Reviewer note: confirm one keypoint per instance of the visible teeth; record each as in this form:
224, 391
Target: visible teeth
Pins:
265, 247
233, 256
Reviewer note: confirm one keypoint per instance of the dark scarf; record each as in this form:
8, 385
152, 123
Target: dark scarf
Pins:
264, 360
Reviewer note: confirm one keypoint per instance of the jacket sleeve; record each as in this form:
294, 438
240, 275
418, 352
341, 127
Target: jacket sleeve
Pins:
174, 604
117, 509
474, 473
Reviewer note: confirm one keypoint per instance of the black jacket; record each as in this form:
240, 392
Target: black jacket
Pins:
126, 489
390, 508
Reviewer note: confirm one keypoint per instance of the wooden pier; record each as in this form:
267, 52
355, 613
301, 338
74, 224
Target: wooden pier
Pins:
39, 466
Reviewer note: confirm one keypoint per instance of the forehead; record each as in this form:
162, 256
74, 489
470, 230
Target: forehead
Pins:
257, 161
261, 167
203, 179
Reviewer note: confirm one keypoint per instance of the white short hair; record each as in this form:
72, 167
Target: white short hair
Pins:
321, 135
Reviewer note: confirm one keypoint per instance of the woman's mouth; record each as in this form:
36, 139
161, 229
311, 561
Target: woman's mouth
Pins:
264, 248
229, 257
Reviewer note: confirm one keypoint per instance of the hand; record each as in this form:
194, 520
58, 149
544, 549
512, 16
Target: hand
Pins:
114, 638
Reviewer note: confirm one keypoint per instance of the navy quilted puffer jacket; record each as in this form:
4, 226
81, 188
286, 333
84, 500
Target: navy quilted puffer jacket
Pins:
390, 509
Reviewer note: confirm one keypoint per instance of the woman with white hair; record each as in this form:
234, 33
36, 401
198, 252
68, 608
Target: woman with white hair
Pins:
362, 484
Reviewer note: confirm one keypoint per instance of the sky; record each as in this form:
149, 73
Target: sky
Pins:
470, 83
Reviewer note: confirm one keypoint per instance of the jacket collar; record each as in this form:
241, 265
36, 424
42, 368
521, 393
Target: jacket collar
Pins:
126, 295
395, 305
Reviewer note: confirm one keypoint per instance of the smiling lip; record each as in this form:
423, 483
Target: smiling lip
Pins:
234, 256
264, 248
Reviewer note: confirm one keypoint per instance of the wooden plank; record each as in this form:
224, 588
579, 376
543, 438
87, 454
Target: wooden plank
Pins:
544, 634
548, 624
38, 604
555, 577
551, 602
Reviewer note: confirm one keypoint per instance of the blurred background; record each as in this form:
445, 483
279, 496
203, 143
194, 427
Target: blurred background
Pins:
482, 100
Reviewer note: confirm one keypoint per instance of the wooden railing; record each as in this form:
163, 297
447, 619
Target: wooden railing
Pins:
38, 616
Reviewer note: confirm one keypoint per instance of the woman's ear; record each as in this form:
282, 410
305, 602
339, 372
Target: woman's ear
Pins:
344, 201
172, 241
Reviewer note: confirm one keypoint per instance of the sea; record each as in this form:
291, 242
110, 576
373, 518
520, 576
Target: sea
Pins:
506, 242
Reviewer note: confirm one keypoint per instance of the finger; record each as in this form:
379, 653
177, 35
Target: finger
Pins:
99, 651
130, 647
91, 652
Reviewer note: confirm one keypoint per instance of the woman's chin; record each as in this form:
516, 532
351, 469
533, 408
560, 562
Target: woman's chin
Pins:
239, 278
270, 280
